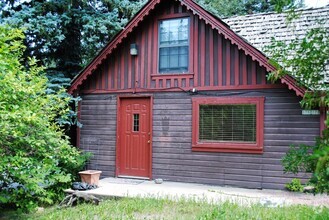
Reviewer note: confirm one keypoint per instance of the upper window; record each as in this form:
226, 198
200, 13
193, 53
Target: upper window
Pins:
228, 124
174, 45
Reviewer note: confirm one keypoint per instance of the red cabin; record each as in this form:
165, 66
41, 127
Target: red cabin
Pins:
178, 95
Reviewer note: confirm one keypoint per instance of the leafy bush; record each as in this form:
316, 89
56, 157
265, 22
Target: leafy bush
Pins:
295, 185
313, 159
37, 160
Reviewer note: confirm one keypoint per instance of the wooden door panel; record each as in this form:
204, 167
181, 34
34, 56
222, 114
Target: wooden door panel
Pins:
135, 153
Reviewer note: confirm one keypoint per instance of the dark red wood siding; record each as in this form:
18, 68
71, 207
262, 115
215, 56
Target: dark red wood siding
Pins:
173, 158
215, 63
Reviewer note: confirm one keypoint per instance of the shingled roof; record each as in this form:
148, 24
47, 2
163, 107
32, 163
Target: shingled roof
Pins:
258, 29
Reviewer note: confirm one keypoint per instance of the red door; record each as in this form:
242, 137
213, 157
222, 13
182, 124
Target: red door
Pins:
134, 138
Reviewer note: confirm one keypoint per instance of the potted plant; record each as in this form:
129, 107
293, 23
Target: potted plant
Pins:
90, 176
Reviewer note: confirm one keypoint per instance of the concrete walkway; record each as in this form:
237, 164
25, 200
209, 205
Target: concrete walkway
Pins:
119, 187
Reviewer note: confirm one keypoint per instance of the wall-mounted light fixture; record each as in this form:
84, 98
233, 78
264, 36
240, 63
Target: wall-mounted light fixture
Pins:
133, 49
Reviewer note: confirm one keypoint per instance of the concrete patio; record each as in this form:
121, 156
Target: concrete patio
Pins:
120, 187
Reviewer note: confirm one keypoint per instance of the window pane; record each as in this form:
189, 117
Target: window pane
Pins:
229, 123
173, 31
164, 58
136, 122
173, 59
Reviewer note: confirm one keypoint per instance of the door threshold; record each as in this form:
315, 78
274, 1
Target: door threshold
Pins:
134, 177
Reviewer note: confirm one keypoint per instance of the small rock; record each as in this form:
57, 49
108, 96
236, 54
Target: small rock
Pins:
158, 181
309, 189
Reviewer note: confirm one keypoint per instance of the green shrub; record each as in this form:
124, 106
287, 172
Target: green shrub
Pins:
295, 185
37, 160
313, 159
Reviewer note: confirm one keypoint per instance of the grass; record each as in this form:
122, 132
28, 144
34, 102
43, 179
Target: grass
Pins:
138, 208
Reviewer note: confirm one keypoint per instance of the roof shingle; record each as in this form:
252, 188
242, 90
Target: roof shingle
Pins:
258, 29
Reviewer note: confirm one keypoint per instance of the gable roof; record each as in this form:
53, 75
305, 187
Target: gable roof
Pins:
258, 29
197, 10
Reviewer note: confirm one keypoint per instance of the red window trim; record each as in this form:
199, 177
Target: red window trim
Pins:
191, 43
229, 147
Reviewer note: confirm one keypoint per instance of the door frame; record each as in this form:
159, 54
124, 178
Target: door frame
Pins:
118, 129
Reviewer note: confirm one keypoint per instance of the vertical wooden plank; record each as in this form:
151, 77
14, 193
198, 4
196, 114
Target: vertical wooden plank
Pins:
241, 54
249, 70
215, 57
129, 64
179, 82
141, 61
236, 65
103, 72
207, 57
109, 74
97, 79
253, 73
122, 68
202, 53
228, 63
211, 56
196, 51
155, 49
263, 72
220, 60
172, 82
258, 74
116, 70
149, 55
244, 70
232, 63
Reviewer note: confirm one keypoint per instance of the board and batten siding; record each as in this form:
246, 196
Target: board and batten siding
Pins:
173, 158
215, 63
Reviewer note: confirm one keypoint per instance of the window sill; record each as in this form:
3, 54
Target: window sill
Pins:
173, 75
228, 148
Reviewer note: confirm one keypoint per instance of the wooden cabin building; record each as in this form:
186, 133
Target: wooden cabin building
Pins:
178, 95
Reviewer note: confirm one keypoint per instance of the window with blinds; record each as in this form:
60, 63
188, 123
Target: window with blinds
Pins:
227, 123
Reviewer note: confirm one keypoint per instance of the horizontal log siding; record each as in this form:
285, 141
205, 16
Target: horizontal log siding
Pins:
172, 126
98, 133
173, 159
214, 61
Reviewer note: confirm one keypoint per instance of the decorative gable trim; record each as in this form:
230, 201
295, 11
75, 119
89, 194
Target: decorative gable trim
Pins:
292, 85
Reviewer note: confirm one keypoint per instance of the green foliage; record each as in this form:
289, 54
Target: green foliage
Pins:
65, 35
313, 159
298, 159
37, 161
295, 185
321, 156
226, 8
150, 208
306, 59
